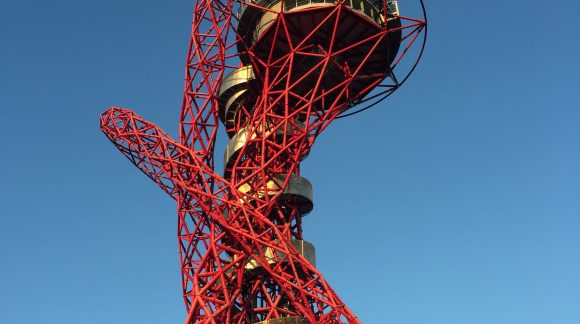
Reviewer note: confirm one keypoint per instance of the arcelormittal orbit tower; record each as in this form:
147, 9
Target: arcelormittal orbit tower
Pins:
274, 73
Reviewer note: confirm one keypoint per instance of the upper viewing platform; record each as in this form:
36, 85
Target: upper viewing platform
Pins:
255, 17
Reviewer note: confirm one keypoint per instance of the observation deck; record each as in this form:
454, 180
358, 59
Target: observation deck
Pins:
305, 26
255, 17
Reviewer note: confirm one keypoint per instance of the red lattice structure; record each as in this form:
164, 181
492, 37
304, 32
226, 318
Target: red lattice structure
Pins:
275, 73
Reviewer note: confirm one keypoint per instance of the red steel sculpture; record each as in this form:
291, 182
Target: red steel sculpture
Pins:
275, 73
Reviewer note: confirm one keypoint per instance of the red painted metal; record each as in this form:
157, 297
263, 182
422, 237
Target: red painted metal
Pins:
311, 63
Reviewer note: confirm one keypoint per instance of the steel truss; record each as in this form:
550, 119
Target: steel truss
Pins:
276, 74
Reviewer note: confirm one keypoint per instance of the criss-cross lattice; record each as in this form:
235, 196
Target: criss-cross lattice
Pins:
276, 74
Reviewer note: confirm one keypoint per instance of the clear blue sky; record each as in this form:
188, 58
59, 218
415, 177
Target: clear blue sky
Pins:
457, 201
